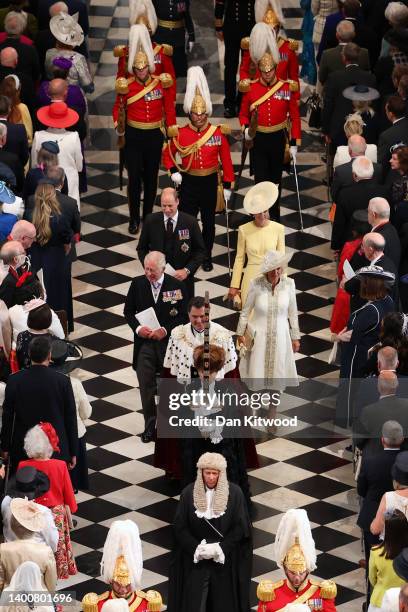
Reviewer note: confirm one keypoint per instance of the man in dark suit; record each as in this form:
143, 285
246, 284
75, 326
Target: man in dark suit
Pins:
343, 174
11, 159
28, 61
8, 65
177, 235
375, 479
373, 245
333, 60
167, 296
36, 394
335, 106
398, 132
379, 219
354, 197
16, 142
74, 6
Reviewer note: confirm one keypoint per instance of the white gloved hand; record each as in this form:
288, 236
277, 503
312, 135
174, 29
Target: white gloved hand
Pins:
227, 194
176, 178
293, 152
208, 551
190, 46
246, 134
219, 556
197, 554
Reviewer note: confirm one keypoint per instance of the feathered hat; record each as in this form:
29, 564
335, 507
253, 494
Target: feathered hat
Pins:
142, 12
122, 559
140, 49
263, 47
211, 461
197, 98
269, 12
294, 545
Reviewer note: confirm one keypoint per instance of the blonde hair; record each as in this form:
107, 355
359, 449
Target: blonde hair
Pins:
362, 106
46, 205
353, 125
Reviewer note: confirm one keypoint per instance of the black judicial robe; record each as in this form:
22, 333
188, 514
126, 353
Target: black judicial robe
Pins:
229, 582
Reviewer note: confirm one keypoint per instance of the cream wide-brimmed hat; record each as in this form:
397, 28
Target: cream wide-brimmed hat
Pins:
273, 260
261, 197
66, 29
28, 514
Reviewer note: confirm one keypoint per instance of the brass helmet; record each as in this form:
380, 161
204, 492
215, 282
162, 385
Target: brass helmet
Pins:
269, 12
271, 18
198, 105
266, 63
140, 61
121, 572
140, 49
142, 12
295, 560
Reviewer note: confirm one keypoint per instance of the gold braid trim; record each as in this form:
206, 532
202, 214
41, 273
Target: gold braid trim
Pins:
192, 149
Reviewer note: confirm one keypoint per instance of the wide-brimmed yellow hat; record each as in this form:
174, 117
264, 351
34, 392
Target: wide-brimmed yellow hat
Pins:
261, 197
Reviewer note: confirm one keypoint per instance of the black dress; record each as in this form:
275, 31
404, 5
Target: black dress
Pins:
54, 263
22, 348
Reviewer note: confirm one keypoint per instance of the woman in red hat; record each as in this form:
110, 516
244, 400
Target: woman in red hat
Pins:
57, 116
40, 443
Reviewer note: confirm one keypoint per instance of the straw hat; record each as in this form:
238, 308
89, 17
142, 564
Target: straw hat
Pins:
28, 514
273, 260
66, 29
261, 197
57, 115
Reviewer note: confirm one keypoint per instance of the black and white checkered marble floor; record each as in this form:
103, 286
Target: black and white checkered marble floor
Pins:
311, 471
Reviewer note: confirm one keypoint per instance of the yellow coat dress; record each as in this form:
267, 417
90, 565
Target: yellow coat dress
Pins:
254, 242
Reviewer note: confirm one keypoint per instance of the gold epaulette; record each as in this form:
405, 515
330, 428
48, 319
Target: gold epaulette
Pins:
167, 50
119, 51
154, 601
225, 129
293, 85
121, 86
172, 131
166, 80
266, 589
90, 601
245, 43
328, 589
293, 44
244, 85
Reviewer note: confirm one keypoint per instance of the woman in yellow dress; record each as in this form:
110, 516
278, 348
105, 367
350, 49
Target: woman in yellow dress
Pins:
256, 238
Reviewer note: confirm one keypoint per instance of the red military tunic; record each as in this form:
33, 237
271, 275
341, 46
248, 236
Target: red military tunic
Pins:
282, 593
206, 159
287, 69
162, 62
274, 112
148, 111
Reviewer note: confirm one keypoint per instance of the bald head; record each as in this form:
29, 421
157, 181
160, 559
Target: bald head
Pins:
387, 383
8, 57
356, 145
11, 253
387, 358
378, 211
23, 232
373, 245
58, 89
58, 7
345, 31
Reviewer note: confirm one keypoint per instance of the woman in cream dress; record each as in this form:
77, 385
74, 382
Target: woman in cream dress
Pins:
256, 238
274, 327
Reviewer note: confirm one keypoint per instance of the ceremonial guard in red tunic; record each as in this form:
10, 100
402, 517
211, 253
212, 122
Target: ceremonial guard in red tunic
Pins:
121, 568
269, 114
143, 109
270, 13
295, 553
199, 159
142, 12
